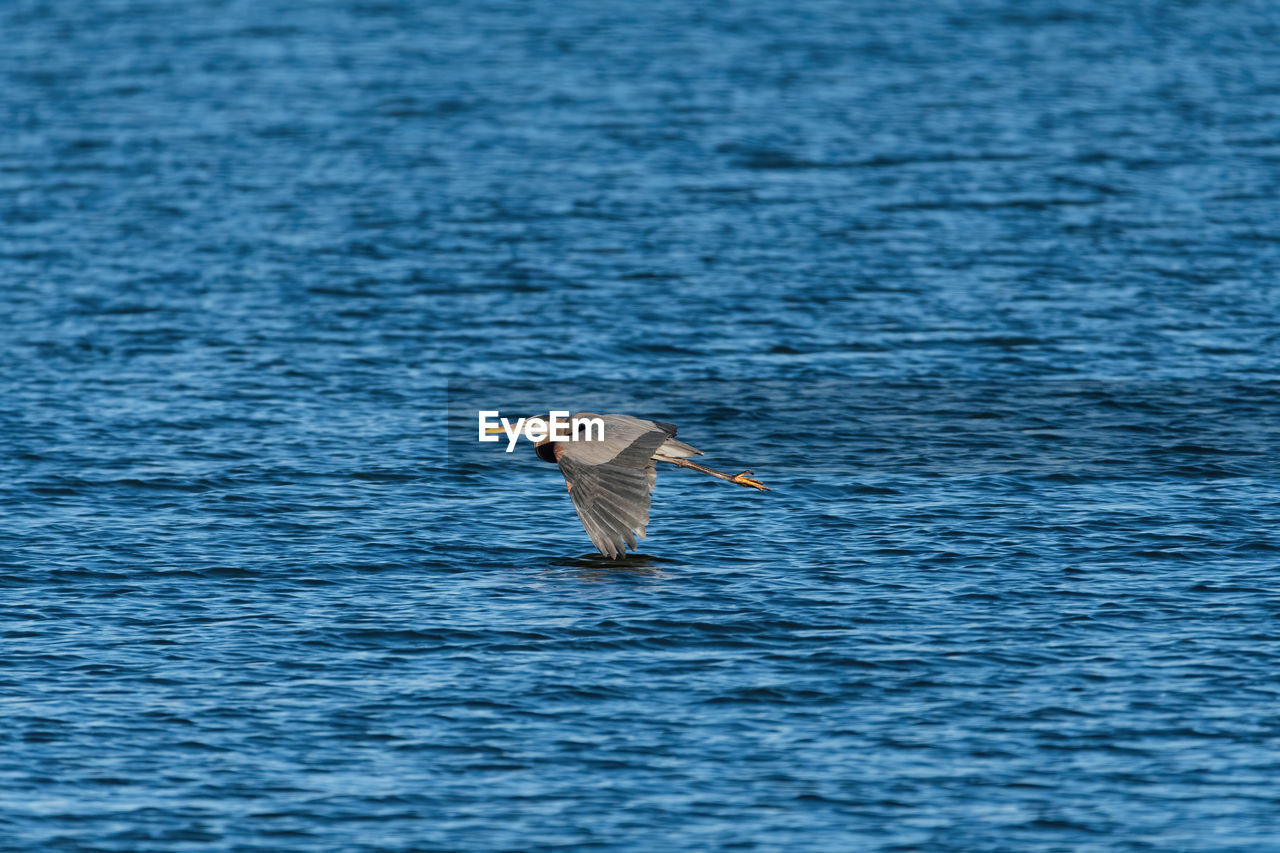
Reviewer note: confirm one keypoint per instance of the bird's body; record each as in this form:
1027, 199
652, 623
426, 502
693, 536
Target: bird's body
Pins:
610, 476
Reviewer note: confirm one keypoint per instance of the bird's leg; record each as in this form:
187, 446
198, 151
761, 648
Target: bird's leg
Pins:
742, 479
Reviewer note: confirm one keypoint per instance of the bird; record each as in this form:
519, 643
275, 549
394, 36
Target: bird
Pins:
609, 476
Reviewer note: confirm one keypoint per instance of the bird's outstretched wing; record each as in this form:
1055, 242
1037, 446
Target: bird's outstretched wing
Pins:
610, 480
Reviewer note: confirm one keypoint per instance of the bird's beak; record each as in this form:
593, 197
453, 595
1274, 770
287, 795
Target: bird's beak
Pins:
497, 430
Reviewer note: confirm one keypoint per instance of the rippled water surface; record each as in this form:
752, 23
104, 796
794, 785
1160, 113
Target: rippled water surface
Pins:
985, 291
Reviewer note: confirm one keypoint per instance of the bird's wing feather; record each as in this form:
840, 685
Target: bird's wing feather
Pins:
610, 480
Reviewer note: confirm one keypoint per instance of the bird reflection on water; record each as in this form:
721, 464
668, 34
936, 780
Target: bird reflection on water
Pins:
596, 567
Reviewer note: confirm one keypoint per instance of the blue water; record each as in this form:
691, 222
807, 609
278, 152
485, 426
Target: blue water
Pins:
986, 292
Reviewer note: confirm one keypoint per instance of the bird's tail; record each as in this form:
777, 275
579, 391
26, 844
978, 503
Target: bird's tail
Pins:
677, 450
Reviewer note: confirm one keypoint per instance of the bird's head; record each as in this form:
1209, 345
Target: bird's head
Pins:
539, 422
535, 428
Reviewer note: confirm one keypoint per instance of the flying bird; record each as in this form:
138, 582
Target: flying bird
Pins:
610, 477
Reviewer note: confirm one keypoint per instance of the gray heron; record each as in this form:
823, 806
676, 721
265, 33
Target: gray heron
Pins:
610, 476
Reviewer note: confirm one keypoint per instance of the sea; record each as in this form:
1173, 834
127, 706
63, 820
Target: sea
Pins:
986, 292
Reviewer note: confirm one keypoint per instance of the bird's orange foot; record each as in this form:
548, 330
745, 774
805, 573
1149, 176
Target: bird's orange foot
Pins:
744, 479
